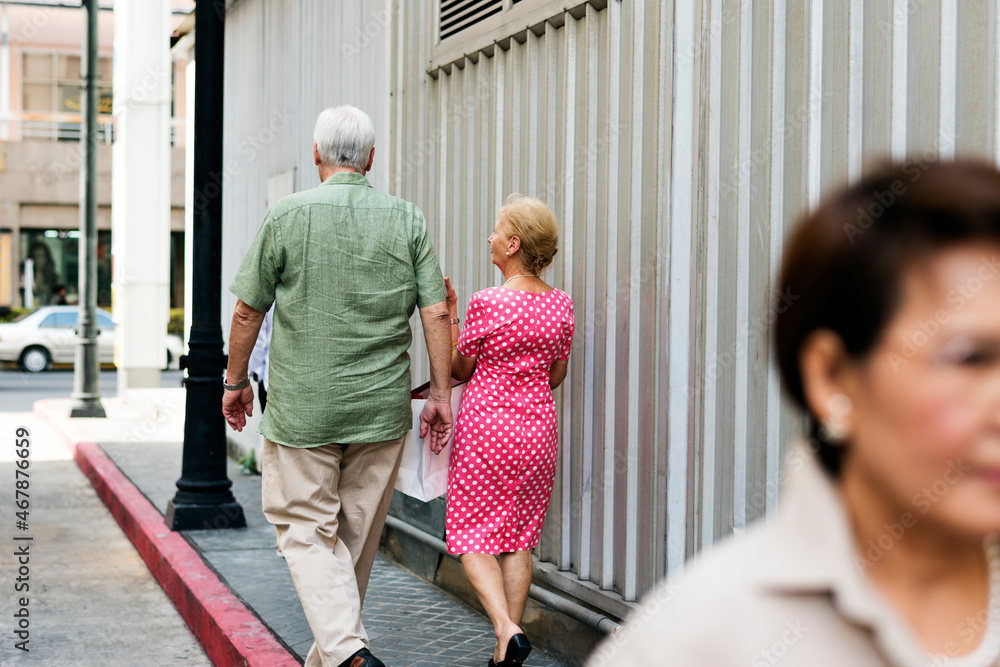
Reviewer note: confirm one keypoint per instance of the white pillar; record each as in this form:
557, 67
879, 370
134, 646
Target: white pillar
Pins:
29, 283
4, 74
184, 49
140, 191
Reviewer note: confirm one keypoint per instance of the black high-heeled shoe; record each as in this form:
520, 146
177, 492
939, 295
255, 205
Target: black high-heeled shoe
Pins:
518, 649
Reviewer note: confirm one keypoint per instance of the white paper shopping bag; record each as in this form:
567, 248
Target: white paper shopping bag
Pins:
422, 473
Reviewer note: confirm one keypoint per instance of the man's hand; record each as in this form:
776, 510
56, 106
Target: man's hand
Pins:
436, 419
237, 406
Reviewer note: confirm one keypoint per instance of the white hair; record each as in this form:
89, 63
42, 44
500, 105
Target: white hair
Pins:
344, 137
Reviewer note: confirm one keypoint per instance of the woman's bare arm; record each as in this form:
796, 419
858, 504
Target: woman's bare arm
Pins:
557, 373
462, 366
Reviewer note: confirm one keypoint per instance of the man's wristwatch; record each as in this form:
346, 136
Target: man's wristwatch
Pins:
237, 386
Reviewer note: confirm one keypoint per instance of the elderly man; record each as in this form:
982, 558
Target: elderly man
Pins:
344, 265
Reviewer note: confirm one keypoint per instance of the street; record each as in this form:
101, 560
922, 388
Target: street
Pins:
19, 391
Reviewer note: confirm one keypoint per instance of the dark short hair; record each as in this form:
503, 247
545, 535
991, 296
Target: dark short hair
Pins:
844, 263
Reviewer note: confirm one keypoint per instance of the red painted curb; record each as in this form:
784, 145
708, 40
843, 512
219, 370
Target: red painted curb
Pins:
227, 630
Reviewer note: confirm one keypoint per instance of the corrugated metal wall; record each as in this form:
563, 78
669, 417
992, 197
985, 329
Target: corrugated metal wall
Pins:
677, 143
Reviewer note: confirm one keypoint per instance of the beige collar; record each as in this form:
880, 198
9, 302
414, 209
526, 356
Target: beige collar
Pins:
813, 552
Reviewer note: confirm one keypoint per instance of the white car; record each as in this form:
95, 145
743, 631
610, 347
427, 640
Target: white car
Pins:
47, 335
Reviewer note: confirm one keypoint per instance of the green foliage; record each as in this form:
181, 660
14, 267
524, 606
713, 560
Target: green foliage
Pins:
176, 324
7, 316
249, 463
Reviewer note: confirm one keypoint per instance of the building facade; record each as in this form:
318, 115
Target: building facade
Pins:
677, 143
41, 154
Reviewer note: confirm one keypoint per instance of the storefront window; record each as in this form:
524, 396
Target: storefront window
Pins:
56, 257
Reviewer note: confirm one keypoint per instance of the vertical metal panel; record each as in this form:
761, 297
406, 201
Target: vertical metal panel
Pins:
680, 270
799, 108
779, 124
948, 76
757, 248
659, 285
876, 79
741, 413
589, 289
582, 448
531, 79
614, 458
728, 461
923, 110
566, 57
647, 218
975, 79
704, 457
855, 102
818, 96
558, 532
634, 163
900, 27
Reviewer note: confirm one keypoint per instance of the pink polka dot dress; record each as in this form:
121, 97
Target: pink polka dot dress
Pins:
503, 460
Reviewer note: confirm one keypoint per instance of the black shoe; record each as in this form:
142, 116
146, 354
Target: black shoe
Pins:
362, 658
518, 649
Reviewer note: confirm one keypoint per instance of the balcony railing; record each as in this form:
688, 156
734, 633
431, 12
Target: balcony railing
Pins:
25, 126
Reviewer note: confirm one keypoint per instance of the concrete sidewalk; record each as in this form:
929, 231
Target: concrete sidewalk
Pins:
253, 616
91, 599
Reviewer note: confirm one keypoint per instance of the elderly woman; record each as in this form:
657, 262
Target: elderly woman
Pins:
514, 346
883, 551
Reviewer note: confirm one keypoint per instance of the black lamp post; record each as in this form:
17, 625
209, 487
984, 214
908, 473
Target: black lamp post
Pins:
203, 498
86, 371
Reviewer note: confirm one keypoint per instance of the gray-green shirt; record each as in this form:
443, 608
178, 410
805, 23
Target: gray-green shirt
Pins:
345, 265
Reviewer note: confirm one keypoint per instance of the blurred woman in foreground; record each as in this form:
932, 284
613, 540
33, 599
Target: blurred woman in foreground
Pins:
883, 550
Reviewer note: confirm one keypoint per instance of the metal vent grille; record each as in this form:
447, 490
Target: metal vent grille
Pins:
457, 15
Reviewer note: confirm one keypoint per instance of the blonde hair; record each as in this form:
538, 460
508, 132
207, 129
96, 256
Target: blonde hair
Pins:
534, 223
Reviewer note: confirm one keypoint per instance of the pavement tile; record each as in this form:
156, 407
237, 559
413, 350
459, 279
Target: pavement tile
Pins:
409, 620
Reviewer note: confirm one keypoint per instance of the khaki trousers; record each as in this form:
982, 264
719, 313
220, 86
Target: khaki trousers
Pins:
329, 505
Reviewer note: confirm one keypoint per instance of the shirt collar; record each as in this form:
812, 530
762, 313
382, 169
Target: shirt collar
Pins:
813, 552
347, 178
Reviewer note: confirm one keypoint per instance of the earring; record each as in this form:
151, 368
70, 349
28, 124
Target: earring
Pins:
836, 428
507, 253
